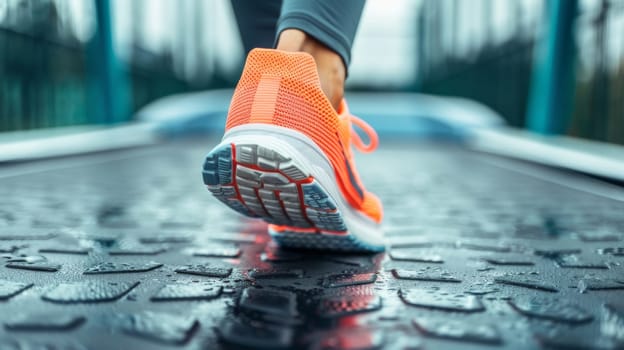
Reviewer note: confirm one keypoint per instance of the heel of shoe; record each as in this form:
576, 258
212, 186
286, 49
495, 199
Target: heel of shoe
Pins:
280, 176
259, 181
218, 176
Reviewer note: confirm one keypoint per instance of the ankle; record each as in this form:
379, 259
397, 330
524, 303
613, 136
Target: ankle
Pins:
331, 68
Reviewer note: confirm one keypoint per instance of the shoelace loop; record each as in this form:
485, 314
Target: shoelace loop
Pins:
356, 140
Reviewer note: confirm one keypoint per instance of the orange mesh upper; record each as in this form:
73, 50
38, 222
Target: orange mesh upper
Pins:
283, 89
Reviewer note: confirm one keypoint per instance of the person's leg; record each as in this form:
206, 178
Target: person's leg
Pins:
330, 66
326, 30
286, 156
323, 28
257, 22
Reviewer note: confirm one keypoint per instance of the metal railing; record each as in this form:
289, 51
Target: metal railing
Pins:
46, 80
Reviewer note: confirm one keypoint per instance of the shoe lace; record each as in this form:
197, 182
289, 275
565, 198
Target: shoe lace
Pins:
356, 140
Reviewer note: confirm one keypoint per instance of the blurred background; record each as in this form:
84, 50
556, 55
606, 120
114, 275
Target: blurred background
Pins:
79, 62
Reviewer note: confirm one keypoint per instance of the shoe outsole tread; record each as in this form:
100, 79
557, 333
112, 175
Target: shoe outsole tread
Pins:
260, 182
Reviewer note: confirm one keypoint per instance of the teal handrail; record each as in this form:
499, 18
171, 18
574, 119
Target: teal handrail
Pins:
553, 81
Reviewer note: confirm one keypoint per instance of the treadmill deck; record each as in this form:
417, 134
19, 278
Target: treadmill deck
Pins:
128, 250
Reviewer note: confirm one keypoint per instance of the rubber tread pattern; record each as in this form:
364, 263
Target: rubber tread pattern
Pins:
259, 182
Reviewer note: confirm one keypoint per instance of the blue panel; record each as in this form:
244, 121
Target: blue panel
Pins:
109, 92
552, 87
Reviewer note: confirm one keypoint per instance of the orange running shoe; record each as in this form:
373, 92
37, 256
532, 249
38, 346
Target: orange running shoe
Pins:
286, 158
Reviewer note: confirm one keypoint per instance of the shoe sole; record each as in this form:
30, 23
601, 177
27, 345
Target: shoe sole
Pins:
268, 181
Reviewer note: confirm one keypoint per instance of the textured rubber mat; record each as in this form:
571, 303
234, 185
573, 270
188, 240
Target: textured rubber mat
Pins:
127, 250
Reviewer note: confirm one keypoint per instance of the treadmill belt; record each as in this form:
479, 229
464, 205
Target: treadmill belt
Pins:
129, 250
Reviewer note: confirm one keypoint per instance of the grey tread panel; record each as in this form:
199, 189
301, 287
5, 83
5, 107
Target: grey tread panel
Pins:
157, 327
9, 289
183, 291
44, 322
124, 267
441, 300
88, 292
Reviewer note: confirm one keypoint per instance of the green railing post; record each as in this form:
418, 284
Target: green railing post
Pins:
552, 86
109, 91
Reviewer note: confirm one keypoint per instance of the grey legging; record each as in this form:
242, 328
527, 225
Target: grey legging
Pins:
332, 22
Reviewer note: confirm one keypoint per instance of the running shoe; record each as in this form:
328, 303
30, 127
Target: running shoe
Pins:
286, 158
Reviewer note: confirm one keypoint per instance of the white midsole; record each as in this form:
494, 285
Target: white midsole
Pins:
308, 157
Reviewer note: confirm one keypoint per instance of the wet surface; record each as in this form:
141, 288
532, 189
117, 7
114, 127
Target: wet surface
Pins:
441, 299
133, 253
183, 291
551, 309
49, 322
458, 330
88, 292
155, 326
